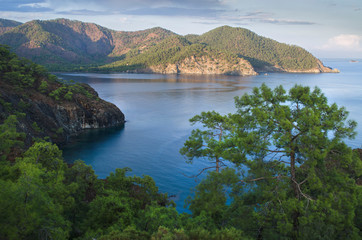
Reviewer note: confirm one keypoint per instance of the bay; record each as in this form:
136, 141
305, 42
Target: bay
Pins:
158, 107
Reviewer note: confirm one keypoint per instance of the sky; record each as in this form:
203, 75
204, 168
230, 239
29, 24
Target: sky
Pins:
326, 28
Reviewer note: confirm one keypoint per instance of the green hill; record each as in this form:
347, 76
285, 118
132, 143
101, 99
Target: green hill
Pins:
260, 51
161, 53
177, 55
65, 45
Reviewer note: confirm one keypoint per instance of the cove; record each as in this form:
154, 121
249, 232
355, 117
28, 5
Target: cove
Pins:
157, 109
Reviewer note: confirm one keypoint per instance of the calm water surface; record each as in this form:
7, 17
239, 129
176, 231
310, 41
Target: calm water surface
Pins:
157, 109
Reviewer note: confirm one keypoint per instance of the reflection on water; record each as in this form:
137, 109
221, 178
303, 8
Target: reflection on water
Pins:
90, 138
157, 109
216, 82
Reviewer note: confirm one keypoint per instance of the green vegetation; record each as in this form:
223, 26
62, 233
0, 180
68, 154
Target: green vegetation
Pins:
24, 74
260, 51
8, 23
161, 53
207, 143
43, 197
293, 177
139, 40
231, 44
43, 87
29, 92
305, 189
65, 45
296, 177
9, 137
66, 92
172, 50
18, 71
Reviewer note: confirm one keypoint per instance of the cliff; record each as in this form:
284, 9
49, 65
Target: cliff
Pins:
205, 65
46, 107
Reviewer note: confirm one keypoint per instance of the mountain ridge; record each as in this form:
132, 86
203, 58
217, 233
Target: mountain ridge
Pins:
7, 25
68, 45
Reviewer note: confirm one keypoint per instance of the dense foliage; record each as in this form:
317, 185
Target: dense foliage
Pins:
8, 23
42, 197
260, 51
296, 177
292, 176
65, 45
170, 51
22, 74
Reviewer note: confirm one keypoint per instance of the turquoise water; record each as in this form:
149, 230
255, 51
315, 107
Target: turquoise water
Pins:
157, 109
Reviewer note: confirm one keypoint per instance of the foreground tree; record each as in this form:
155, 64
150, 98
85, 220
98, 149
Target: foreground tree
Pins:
298, 170
208, 143
292, 141
33, 196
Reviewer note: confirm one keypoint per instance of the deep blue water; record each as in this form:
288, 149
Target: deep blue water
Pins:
157, 109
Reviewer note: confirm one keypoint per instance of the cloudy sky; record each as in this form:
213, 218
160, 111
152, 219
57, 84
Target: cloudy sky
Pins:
327, 28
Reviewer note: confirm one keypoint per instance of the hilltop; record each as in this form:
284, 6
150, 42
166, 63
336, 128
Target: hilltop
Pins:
62, 43
263, 53
66, 45
177, 55
6, 25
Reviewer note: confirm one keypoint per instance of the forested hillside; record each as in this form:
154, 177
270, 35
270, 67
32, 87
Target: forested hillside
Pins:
6, 25
65, 45
46, 107
260, 51
177, 55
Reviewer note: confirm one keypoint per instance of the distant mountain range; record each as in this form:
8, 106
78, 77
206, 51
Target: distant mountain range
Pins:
66, 45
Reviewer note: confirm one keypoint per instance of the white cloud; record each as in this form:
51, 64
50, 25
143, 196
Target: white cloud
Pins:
35, 5
344, 42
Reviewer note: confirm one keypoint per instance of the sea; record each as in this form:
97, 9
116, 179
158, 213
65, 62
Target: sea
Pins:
158, 108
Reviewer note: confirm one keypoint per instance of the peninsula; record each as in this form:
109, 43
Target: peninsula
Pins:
66, 45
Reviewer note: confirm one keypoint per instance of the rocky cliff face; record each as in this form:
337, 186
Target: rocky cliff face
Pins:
205, 65
46, 107
45, 116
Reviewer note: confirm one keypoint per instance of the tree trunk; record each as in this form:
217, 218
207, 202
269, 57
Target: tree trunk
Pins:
296, 213
293, 175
